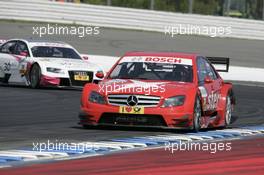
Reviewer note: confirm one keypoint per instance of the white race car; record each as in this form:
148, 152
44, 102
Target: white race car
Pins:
44, 63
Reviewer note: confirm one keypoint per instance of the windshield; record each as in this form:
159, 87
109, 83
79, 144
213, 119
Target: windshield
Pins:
153, 71
57, 52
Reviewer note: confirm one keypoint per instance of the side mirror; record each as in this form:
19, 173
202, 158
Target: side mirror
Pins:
85, 57
208, 79
99, 74
25, 54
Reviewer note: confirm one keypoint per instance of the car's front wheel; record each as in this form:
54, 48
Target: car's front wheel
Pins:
35, 75
197, 114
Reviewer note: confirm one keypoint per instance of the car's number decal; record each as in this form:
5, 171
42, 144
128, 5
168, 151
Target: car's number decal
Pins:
210, 101
7, 67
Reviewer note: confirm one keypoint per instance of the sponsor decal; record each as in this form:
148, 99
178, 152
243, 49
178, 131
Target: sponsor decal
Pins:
23, 70
137, 59
163, 59
131, 110
135, 118
155, 59
210, 101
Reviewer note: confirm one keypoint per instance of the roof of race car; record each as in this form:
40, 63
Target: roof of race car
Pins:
38, 42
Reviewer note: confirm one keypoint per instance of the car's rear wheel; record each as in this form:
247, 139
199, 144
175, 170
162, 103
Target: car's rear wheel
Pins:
197, 114
228, 111
35, 75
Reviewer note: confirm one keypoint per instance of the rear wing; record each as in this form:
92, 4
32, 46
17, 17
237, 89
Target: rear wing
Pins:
221, 64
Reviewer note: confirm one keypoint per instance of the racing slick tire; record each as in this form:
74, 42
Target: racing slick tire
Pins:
197, 114
35, 76
228, 111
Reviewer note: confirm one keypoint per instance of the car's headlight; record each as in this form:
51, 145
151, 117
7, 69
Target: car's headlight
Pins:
174, 101
96, 98
54, 70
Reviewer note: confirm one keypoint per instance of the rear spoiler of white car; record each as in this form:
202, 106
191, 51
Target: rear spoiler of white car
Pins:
221, 64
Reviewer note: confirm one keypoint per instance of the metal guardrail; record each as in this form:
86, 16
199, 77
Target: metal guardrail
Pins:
124, 18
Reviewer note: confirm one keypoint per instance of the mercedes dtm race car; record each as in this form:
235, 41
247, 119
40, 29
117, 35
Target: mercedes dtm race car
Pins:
44, 63
175, 90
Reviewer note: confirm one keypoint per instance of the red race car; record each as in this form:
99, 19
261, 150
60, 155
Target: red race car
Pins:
164, 89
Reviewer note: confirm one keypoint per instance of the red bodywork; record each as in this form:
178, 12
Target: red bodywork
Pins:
173, 117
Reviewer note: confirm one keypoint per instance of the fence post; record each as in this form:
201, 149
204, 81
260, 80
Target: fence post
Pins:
109, 2
263, 10
152, 4
228, 7
190, 6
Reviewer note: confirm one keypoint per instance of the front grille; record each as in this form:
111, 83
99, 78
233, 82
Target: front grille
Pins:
132, 119
143, 100
79, 82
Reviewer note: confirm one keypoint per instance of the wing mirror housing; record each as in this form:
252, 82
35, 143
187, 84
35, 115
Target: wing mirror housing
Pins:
99, 74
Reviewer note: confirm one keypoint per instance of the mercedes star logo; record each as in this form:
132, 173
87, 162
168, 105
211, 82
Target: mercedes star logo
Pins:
132, 100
